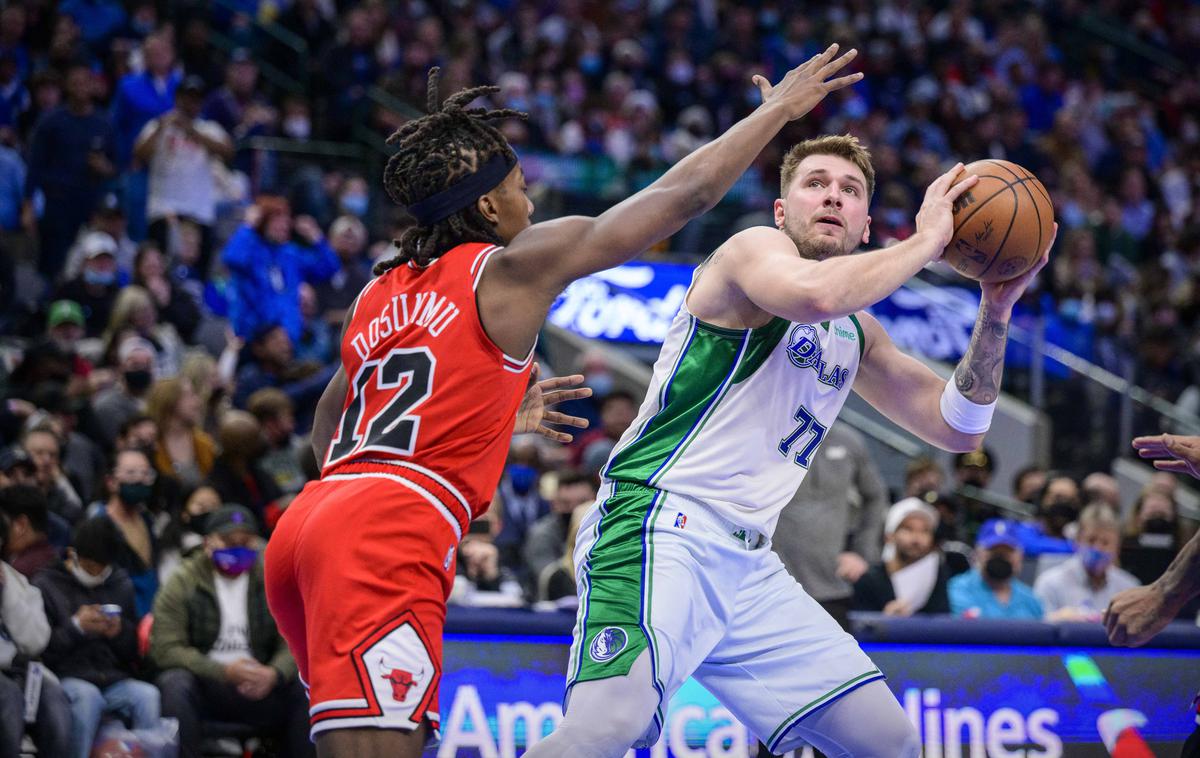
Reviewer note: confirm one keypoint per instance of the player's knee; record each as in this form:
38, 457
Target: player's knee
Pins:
906, 739
621, 725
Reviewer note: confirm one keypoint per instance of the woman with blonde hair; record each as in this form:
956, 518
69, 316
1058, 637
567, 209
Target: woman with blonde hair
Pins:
135, 315
184, 451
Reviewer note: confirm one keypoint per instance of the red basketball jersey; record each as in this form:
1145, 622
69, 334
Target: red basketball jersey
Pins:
432, 400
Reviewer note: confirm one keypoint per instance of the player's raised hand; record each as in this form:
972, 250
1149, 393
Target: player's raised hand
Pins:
1171, 452
1006, 294
533, 415
935, 219
806, 85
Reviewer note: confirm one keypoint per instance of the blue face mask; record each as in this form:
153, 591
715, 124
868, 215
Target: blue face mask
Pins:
522, 477
234, 561
1094, 561
356, 204
99, 278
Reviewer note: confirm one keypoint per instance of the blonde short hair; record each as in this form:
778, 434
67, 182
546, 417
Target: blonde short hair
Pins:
842, 145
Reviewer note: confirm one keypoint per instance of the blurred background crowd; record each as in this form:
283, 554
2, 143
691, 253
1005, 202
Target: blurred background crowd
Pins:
189, 201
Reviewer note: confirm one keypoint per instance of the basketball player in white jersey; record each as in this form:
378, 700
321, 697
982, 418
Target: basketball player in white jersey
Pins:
676, 577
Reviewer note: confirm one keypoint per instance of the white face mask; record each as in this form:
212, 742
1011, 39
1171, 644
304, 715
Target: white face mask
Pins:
88, 580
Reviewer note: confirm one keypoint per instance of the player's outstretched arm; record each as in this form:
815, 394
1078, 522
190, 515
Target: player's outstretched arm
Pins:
762, 265
1135, 616
551, 255
956, 416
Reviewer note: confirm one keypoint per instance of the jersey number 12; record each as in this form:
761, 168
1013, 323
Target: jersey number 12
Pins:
407, 376
808, 425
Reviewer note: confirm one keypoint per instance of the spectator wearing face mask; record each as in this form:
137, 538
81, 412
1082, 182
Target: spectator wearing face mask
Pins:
95, 287
93, 644
1080, 588
519, 502
184, 535
1058, 507
131, 486
127, 397
1152, 535
992, 590
912, 576
1050, 539
218, 648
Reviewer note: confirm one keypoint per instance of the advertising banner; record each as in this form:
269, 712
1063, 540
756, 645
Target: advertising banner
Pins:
499, 692
635, 303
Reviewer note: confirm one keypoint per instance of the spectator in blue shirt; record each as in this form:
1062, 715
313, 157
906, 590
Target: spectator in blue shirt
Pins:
991, 591
141, 97
70, 157
12, 188
266, 268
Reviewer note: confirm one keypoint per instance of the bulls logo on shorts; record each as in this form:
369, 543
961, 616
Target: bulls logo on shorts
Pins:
402, 681
804, 347
607, 644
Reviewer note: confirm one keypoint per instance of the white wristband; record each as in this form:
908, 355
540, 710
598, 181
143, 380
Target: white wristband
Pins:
963, 415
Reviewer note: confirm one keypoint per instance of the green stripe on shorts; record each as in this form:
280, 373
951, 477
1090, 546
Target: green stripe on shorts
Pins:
615, 587
790, 721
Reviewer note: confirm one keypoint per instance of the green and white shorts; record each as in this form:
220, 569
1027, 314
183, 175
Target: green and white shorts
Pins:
709, 599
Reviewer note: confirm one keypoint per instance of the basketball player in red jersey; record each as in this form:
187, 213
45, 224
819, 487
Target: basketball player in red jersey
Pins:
413, 429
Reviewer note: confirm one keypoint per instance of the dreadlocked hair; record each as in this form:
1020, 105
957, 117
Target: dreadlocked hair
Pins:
433, 152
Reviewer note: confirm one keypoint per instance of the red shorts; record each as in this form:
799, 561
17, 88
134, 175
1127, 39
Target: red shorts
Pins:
358, 571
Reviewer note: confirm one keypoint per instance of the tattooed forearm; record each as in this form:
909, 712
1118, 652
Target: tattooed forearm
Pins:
978, 374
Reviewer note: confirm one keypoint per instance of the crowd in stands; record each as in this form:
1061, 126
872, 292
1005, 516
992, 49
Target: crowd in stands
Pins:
171, 300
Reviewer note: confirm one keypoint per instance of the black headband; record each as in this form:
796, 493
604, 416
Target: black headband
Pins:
443, 204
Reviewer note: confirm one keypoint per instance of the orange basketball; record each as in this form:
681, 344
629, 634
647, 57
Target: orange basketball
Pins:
1002, 224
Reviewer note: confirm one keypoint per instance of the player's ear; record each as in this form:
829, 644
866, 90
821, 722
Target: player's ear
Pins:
779, 209
489, 208
867, 231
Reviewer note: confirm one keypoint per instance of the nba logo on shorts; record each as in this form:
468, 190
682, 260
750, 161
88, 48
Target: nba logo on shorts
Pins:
680, 521
607, 643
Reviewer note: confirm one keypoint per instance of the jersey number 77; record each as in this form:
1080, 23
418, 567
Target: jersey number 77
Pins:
384, 394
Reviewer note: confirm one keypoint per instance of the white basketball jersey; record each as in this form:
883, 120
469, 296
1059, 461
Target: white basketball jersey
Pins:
733, 417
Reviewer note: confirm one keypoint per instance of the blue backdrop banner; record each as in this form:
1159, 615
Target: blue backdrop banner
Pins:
635, 303
977, 701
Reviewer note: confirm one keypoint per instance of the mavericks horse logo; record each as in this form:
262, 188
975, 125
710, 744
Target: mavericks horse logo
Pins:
607, 643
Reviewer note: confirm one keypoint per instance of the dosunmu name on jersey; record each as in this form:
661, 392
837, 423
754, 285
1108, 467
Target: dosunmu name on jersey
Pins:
428, 310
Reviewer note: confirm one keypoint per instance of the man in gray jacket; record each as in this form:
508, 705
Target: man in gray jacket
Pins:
24, 632
832, 530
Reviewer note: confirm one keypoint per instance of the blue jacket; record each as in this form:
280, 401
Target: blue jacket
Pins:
265, 280
136, 102
970, 595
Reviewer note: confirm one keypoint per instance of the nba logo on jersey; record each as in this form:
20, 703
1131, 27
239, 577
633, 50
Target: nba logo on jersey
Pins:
804, 347
680, 521
607, 643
